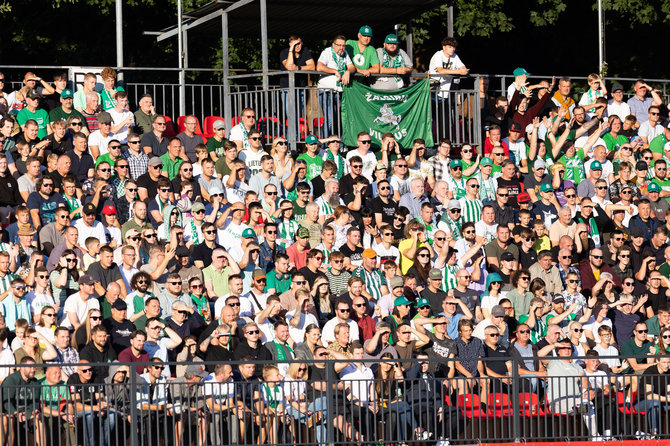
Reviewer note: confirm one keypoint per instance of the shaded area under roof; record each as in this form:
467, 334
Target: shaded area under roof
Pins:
308, 18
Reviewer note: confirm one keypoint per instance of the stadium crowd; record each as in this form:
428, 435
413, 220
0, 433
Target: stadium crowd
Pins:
119, 243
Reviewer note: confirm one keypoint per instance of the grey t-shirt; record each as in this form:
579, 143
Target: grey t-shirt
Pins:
26, 184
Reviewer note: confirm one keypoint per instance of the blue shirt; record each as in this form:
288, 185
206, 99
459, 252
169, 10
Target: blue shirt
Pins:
412, 203
13, 311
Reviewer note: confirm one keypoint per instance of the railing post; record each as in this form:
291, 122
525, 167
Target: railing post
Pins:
290, 106
477, 115
516, 419
330, 393
133, 407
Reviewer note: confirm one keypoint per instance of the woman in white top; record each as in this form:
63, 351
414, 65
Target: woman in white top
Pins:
46, 324
111, 225
283, 159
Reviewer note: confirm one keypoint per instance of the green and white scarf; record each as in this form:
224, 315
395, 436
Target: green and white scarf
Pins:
341, 63
392, 62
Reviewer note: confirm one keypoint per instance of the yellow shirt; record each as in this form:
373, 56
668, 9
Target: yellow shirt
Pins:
405, 262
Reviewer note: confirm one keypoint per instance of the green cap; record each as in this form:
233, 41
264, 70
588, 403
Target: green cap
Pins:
391, 38
486, 161
520, 72
422, 302
365, 31
248, 233
455, 163
546, 187
303, 232
311, 139
67, 94
653, 187
402, 300
595, 165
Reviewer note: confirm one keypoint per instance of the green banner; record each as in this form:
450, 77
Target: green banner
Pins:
405, 113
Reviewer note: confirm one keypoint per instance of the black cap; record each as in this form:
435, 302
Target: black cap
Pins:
119, 304
641, 165
507, 256
89, 209
182, 251
637, 232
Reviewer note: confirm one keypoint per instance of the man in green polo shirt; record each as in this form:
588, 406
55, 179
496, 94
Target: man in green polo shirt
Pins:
657, 144
30, 111
217, 273
362, 54
171, 159
279, 280
216, 142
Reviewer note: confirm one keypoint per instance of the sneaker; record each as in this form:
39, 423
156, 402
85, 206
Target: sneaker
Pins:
443, 443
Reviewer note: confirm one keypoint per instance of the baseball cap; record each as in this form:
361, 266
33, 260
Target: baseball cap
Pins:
380, 166
215, 190
258, 273
109, 210
435, 274
507, 256
498, 311
67, 93
625, 299
369, 254
195, 370
182, 251
365, 31
132, 233
248, 233
523, 197
653, 187
219, 124
539, 164
155, 161
197, 206
454, 204
455, 163
520, 72
391, 38
617, 87
119, 304
402, 300
86, 279
395, 282
558, 299
89, 209
516, 127
595, 165
32, 94
546, 187
641, 165
104, 118
303, 232
422, 302
486, 161
311, 139
637, 232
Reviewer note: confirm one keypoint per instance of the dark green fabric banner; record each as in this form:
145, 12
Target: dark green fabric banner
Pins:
405, 113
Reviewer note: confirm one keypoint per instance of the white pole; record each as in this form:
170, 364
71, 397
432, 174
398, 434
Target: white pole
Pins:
119, 36
601, 43
182, 76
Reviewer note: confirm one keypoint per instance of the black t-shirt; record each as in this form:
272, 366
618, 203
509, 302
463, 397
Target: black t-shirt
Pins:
469, 297
216, 353
204, 253
318, 186
513, 187
150, 185
176, 185
58, 147
657, 299
386, 209
365, 202
309, 275
545, 212
299, 60
435, 299
104, 275
119, 333
346, 185
497, 365
87, 391
354, 255
79, 167
659, 384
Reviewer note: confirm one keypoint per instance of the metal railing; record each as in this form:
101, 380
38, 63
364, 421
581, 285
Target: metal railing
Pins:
357, 408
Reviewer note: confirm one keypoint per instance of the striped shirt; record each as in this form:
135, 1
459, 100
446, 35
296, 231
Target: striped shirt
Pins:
471, 210
449, 281
6, 281
373, 280
487, 188
338, 283
287, 230
325, 208
452, 226
457, 187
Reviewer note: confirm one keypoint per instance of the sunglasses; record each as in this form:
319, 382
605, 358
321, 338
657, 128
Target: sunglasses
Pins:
596, 257
134, 142
211, 231
641, 331
234, 304
85, 370
578, 330
160, 166
666, 336
101, 170
77, 124
629, 283
255, 138
301, 282
570, 196
96, 318
573, 281
359, 305
493, 335
149, 235
344, 310
196, 286
366, 141
524, 331
253, 332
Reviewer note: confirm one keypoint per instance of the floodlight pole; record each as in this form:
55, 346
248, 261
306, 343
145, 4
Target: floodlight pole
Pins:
264, 43
180, 50
450, 21
119, 37
601, 38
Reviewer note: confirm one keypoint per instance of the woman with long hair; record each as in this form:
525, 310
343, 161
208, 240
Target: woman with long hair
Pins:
297, 405
311, 342
399, 315
491, 296
171, 215
64, 278
414, 238
281, 156
46, 325
111, 225
82, 335
369, 232
663, 344
321, 298
389, 387
421, 267
36, 346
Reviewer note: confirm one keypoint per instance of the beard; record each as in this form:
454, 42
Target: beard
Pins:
332, 200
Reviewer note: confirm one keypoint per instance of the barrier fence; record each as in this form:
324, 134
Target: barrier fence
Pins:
426, 406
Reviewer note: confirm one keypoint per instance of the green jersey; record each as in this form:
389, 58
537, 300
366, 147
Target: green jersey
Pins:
314, 165
363, 60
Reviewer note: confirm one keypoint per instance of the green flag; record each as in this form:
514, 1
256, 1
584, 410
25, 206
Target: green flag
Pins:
405, 113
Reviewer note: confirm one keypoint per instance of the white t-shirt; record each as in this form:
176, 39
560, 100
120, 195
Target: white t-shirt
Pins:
608, 168
96, 139
517, 150
486, 231
74, 304
399, 184
326, 58
252, 160
298, 333
114, 233
369, 163
86, 231
440, 60
328, 331
117, 118
249, 306
240, 133
37, 301
218, 391
236, 193
128, 275
646, 130
621, 110
230, 237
